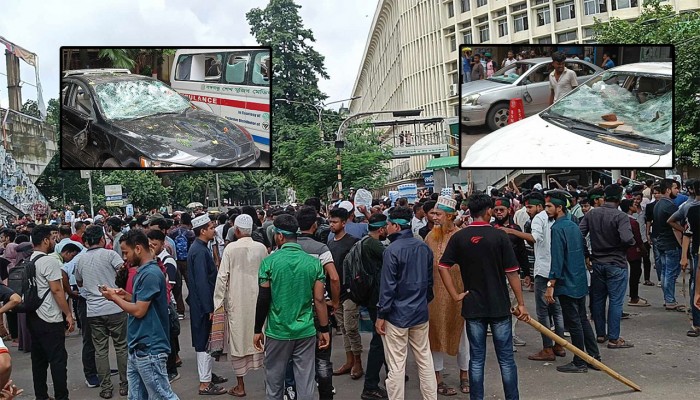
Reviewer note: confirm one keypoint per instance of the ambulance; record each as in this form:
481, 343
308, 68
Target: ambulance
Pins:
233, 83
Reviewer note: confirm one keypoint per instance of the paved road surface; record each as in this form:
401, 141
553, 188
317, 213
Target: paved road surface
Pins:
664, 362
470, 134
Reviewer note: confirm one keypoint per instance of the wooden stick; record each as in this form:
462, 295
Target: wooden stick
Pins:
587, 358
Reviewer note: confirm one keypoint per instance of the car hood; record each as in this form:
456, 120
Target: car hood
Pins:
482, 86
536, 143
185, 138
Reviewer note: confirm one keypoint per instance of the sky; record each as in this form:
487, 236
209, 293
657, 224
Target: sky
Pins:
43, 26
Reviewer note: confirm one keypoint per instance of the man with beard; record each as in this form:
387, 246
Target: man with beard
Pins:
667, 243
502, 219
447, 334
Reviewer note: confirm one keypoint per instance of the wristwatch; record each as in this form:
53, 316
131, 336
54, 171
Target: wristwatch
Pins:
550, 284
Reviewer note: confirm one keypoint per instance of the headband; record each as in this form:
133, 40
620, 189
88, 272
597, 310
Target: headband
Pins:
284, 232
378, 224
502, 202
556, 202
445, 208
534, 202
399, 221
595, 196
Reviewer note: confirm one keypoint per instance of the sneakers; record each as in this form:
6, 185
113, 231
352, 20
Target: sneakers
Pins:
517, 341
375, 394
290, 393
181, 316
625, 315
173, 376
92, 381
114, 372
572, 368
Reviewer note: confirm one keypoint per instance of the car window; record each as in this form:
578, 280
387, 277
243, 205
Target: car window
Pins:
510, 73
538, 74
261, 69
581, 69
203, 67
212, 66
128, 99
78, 98
236, 67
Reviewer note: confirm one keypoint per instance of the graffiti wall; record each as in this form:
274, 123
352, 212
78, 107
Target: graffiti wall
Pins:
17, 188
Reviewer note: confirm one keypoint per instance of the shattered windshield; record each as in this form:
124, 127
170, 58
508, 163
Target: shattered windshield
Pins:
510, 73
641, 102
138, 98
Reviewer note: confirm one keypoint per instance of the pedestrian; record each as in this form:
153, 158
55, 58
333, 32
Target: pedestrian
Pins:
347, 314
236, 290
287, 278
183, 237
46, 325
147, 321
607, 62
466, 65
634, 254
402, 311
490, 65
691, 243
429, 219
486, 260
649, 220
447, 334
98, 267
666, 244
562, 80
478, 72
508, 60
610, 235
568, 281
201, 282
419, 218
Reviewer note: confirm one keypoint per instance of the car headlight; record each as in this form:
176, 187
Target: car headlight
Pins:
148, 163
471, 99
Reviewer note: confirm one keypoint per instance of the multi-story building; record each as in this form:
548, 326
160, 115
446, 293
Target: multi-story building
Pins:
411, 56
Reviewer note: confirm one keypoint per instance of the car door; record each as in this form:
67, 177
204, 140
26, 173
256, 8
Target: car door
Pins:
536, 89
583, 71
77, 120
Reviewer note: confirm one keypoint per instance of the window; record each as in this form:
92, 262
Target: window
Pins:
518, 7
468, 37
543, 17
481, 3
502, 27
484, 33
453, 43
199, 67
620, 4
591, 7
538, 2
450, 9
566, 36
520, 22
482, 20
262, 69
465, 5
580, 69
545, 40
236, 68
501, 13
588, 32
565, 11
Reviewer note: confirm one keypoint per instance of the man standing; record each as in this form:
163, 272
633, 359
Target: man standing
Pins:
568, 281
202, 280
611, 235
667, 244
427, 210
402, 311
46, 325
237, 290
80, 227
447, 334
147, 325
508, 61
634, 254
97, 267
486, 260
286, 279
562, 80
466, 64
691, 241
183, 238
419, 218
478, 72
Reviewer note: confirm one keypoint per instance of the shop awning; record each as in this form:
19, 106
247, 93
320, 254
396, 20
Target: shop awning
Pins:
443, 163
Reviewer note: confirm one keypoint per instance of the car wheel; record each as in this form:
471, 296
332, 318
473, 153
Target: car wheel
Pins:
497, 116
111, 163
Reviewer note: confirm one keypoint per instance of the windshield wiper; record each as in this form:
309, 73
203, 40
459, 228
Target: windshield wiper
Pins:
637, 137
590, 127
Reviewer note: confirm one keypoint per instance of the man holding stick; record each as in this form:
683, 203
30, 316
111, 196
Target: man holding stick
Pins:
567, 280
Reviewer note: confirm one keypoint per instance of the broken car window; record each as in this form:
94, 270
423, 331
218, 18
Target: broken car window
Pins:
138, 98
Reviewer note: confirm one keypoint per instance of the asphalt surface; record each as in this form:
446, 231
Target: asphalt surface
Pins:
470, 134
664, 362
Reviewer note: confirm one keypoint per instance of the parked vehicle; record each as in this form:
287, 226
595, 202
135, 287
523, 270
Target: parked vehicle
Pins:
569, 133
486, 101
114, 119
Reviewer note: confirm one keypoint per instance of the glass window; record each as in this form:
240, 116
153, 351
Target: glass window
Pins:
453, 43
484, 33
480, 3
138, 98
502, 27
501, 13
590, 7
468, 37
451, 9
545, 40
566, 36
262, 69
537, 2
520, 22
519, 7
465, 5
543, 16
588, 32
565, 11
212, 67
236, 67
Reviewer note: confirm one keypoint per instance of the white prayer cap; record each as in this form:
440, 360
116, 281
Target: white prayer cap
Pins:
244, 221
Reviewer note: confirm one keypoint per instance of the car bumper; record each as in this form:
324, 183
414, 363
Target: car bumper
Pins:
473, 115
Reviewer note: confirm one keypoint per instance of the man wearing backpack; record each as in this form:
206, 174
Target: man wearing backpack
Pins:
183, 237
46, 325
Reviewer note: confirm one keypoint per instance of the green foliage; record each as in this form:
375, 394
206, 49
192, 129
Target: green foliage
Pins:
659, 24
30, 107
120, 58
145, 188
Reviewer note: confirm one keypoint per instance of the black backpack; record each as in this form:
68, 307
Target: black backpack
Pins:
22, 280
362, 284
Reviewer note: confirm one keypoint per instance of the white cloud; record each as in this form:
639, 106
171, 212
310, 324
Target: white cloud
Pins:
43, 26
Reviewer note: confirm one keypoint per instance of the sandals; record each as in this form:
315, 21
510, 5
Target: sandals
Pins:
619, 344
601, 339
676, 307
464, 385
445, 390
234, 393
212, 390
693, 332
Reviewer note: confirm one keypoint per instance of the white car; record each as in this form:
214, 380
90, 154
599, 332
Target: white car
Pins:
568, 133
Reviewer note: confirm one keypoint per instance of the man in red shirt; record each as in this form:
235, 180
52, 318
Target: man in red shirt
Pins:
80, 227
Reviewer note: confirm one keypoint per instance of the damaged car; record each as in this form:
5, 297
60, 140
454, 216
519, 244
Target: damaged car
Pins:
114, 119
622, 117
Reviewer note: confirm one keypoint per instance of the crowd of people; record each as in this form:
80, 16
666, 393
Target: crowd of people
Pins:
271, 288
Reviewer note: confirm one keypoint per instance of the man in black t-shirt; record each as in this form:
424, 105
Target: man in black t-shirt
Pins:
348, 314
649, 218
486, 259
691, 241
667, 244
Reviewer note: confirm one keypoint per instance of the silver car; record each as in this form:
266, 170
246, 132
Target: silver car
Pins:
486, 101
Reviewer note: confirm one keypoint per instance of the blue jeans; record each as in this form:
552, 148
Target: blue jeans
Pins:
658, 265
609, 281
503, 343
147, 376
671, 261
693, 267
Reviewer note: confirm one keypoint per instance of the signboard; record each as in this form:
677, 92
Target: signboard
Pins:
129, 210
115, 203
114, 198
113, 190
85, 174
418, 150
428, 178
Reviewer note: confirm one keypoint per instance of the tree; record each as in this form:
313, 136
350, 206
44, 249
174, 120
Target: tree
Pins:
296, 65
146, 191
660, 24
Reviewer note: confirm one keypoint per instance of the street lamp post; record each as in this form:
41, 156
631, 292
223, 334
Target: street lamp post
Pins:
339, 136
318, 107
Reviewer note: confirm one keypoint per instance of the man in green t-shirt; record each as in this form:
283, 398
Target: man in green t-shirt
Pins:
289, 272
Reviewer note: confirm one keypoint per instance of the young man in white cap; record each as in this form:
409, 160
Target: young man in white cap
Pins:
237, 289
356, 230
202, 280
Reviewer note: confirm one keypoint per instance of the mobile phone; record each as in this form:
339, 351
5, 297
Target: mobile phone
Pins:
102, 287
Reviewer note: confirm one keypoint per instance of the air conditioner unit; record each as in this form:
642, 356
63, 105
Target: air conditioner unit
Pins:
454, 89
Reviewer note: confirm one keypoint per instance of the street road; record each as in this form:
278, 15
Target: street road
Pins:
470, 134
664, 362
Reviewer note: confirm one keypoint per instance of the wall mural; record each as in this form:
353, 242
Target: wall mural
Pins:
17, 188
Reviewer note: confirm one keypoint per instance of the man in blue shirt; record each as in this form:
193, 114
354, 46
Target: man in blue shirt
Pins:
466, 65
567, 280
147, 323
607, 61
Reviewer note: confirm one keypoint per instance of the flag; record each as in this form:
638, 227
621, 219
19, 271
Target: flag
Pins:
33, 60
